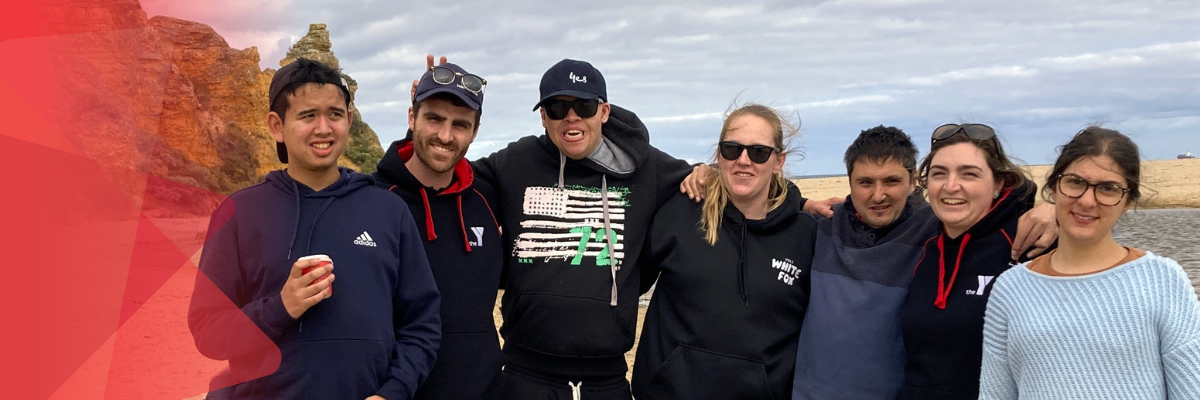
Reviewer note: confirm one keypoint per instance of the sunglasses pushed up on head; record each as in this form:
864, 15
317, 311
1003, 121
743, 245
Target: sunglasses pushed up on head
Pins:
973, 131
758, 153
445, 76
557, 109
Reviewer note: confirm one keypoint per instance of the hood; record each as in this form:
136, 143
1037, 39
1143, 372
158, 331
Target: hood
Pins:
394, 175
775, 220
347, 183
624, 147
391, 169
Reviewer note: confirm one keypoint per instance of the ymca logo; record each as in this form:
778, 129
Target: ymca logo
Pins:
983, 282
578, 78
787, 271
478, 231
364, 240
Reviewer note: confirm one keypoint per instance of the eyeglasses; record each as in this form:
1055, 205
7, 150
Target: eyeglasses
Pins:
759, 153
973, 131
1074, 186
445, 76
557, 109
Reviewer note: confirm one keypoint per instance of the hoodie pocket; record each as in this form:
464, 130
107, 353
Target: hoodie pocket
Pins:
569, 326
691, 373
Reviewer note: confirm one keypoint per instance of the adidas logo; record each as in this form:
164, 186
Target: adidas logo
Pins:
364, 240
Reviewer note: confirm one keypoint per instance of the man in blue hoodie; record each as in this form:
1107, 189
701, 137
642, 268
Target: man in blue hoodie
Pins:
458, 227
376, 337
850, 345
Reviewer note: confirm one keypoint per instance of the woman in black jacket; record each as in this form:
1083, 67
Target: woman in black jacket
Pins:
978, 194
734, 280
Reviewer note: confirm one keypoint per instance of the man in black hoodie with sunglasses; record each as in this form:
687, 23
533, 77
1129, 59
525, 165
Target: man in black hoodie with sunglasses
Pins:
575, 203
461, 234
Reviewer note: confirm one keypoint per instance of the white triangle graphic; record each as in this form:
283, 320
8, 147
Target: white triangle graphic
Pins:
368, 236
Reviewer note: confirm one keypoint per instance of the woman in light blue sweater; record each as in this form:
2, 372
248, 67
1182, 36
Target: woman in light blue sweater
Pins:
1092, 319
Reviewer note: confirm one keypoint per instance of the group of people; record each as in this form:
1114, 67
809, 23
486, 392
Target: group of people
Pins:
921, 284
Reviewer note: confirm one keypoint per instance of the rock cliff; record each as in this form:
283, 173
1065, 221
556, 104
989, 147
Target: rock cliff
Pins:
170, 98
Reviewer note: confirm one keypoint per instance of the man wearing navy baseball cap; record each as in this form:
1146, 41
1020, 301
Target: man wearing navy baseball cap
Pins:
575, 203
457, 226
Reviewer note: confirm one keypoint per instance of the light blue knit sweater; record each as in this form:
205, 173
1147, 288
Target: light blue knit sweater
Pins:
1131, 332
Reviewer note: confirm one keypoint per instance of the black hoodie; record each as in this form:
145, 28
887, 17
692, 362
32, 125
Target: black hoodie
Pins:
725, 318
462, 238
943, 335
571, 227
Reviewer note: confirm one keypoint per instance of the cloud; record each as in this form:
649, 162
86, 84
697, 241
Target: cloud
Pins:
1036, 70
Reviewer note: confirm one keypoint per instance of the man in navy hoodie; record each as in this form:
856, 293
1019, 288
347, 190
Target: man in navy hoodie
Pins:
460, 230
850, 345
376, 336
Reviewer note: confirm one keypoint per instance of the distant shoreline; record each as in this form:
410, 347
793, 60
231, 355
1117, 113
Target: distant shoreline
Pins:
1165, 183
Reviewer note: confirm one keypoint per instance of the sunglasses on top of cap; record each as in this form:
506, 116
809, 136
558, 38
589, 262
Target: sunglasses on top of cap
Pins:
445, 76
557, 109
758, 153
973, 131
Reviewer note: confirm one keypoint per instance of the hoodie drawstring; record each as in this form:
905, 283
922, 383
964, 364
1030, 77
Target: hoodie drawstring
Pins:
562, 164
608, 233
742, 266
463, 224
575, 393
295, 229
943, 287
308, 247
431, 233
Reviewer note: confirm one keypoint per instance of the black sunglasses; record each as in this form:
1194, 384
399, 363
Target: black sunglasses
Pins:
973, 131
445, 76
759, 153
557, 109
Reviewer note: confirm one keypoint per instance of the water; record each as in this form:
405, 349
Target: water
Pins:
1168, 233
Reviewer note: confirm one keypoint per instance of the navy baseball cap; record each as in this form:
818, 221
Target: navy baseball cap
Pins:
303, 70
572, 78
428, 87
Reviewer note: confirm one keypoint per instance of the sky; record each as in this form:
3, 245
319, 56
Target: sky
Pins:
1038, 71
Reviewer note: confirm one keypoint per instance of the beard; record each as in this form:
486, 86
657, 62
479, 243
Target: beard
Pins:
437, 162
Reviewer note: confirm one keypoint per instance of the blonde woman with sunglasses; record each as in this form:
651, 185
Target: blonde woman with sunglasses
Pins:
734, 282
1093, 319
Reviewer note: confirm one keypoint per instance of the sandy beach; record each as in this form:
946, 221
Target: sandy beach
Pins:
1166, 183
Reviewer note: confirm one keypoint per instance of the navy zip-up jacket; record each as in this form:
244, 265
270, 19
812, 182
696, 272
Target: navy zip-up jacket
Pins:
462, 238
377, 334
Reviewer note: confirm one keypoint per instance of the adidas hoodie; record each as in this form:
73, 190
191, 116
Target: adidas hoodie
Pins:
724, 318
942, 317
377, 334
462, 238
575, 229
